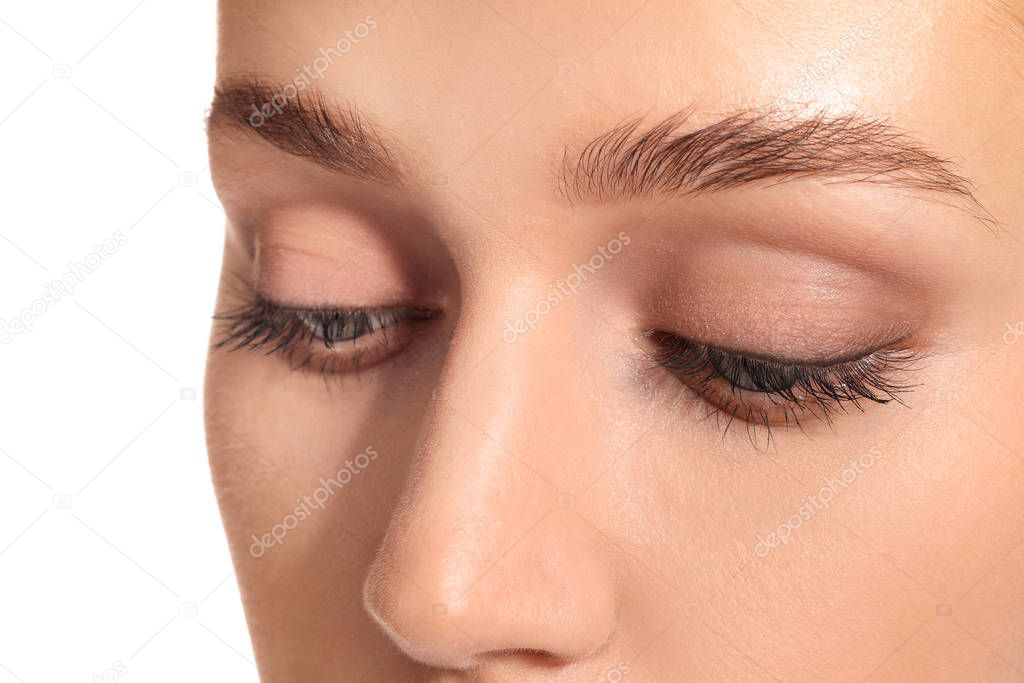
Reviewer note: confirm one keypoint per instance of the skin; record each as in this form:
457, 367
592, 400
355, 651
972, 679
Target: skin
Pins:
556, 507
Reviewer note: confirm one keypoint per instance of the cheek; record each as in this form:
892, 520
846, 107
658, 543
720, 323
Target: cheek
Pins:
948, 504
882, 527
305, 478
693, 512
275, 435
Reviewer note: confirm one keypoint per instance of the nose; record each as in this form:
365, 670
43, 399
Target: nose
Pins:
484, 557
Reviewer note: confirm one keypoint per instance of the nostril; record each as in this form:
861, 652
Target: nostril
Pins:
538, 658
545, 624
521, 651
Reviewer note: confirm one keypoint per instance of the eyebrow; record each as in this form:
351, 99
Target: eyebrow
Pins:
304, 123
629, 162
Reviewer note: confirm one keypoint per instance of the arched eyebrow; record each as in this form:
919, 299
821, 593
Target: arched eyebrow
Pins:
629, 162
304, 123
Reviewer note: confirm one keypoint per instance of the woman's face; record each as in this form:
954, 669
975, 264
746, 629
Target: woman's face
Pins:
602, 341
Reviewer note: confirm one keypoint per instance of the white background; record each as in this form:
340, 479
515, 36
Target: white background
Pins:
111, 546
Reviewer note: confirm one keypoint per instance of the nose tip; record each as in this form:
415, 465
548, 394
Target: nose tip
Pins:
482, 562
545, 598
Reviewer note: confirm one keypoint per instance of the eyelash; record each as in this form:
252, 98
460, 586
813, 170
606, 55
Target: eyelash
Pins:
311, 338
761, 391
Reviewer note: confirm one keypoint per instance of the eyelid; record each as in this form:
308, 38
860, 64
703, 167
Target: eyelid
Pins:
297, 305
804, 363
897, 337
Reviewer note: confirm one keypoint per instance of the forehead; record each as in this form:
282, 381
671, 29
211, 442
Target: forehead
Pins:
450, 78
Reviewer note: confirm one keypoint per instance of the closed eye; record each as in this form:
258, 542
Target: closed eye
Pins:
763, 391
325, 340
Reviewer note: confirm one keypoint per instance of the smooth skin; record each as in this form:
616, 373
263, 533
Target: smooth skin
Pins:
550, 505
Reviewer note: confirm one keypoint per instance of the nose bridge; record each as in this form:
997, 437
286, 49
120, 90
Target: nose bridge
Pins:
465, 496
490, 434
479, 557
